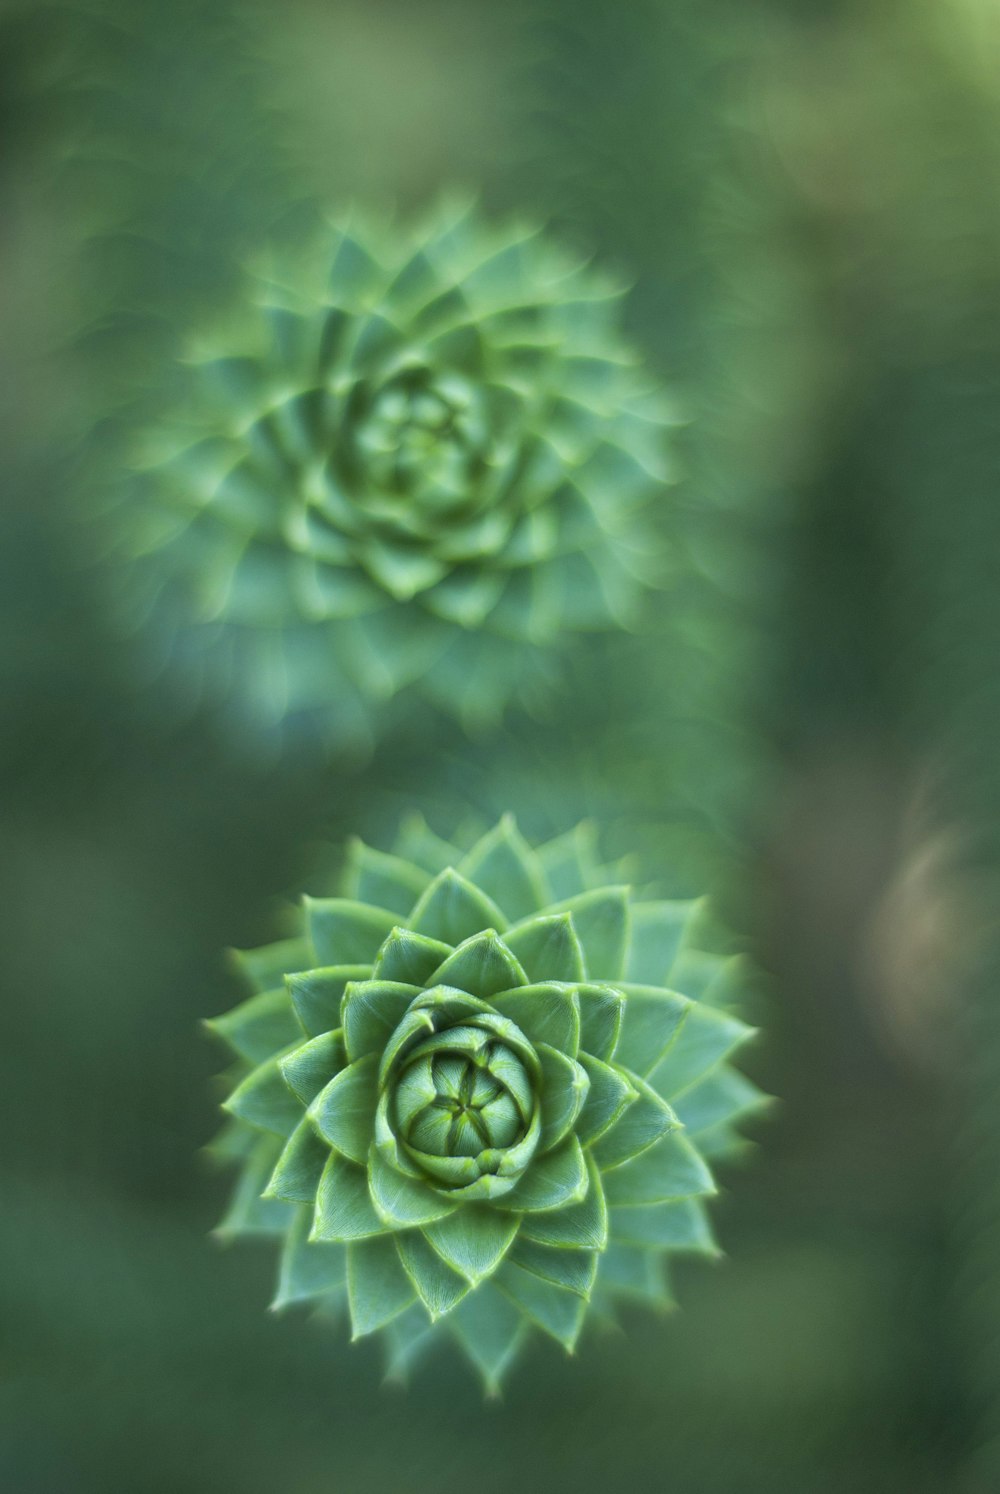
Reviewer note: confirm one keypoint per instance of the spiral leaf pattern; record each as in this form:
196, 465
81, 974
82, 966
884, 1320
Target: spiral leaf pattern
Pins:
415, 458
479, 1092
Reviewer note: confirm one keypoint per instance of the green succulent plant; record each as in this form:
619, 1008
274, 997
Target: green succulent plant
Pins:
416, 456
478, 1092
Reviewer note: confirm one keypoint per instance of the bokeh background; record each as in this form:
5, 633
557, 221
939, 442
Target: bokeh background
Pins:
806, 194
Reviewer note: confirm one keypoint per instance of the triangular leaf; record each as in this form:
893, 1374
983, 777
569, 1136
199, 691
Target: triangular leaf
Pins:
265, 968
409, 958
452, 909
680, 1226
551, 1182
703, 976
298, 1170
601, 1014
264, 1100
386, 881
573, 1270
259, 1027
670, 1169
344, 1210
504, 866
609, 1093
312, 1065
582, 1225
400, 1201
344, 1110
316, 995
407, 1338
372, 1010
353, 273
545, 1013
563, 1091
630, 1271
600, 918
553, 1309
643, 1123
482, 965
570, 862
439, 1287
723, 1143
420, 845
344, 932
724, 1094
378, 1289
490, 1329
249, 1213
656, 935
473, 1240
727, 986
706, 1038
547, 947
307, 1269
652, 1019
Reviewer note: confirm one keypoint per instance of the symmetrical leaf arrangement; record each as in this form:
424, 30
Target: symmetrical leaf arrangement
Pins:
416, 456
478, 1092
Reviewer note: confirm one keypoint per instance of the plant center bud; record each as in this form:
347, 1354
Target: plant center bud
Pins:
423, 440
457, 1104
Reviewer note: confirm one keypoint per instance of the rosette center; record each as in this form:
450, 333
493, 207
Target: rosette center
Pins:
424, 439
455, 1103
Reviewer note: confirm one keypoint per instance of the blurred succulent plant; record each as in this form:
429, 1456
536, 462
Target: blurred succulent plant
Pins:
416, 456
472, 1097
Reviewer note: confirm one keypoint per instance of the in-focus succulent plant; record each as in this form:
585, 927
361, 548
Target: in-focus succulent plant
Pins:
416, 456
478, 1093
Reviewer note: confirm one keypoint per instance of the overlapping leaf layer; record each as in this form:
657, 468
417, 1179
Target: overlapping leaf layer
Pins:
417, 456
479, 1093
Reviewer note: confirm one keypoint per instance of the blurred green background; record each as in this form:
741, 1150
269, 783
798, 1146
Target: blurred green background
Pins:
807, 196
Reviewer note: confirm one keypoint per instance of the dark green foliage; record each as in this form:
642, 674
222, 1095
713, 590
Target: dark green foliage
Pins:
417, 455
802, 194
493, 1105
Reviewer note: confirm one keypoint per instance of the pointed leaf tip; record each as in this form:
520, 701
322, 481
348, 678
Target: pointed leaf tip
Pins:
482, 965
452, 910
504, 866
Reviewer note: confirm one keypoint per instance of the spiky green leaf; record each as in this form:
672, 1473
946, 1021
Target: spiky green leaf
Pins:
371, 1011
555, 1180
439, 1287
547, 947
400, 1201
641, 1124
563, 1091
344, 1210
263, 1099
473, 1240
504, 866
378, 1289
409, 958
671, 1168
344, 1110
311, 1066
545, 1013
259, 1027
344, 932
609, 1093
573, 1270
453, 909
308, 1269
317, 994
601, 919
299, 1168
481, 965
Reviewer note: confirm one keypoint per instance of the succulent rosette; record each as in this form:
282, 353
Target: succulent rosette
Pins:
478, 1093
417, 456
